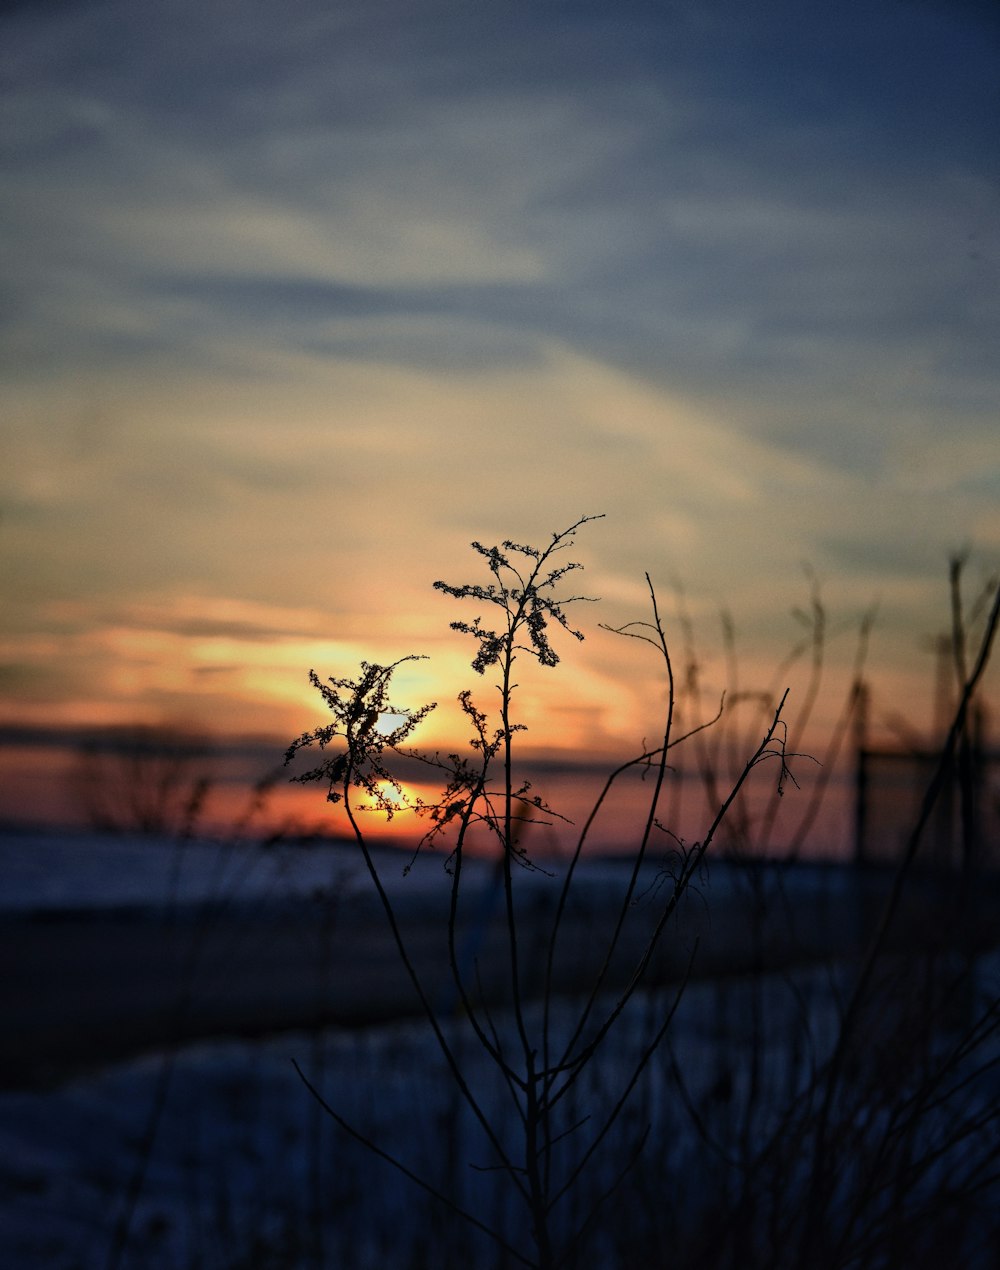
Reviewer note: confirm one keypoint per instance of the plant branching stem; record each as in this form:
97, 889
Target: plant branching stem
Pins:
858, 996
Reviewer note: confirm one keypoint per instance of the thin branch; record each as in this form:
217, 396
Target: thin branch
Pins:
408, 1173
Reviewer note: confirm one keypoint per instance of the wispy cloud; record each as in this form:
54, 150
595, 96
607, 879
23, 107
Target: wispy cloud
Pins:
296, 301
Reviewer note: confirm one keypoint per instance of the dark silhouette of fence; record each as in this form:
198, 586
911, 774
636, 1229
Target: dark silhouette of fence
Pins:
964, 831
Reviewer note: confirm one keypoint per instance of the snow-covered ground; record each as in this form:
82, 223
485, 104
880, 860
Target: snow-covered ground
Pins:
239, 1165
218, 1156
66, 870
215, 1154
123, 943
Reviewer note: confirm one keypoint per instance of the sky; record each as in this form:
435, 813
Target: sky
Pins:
297, 300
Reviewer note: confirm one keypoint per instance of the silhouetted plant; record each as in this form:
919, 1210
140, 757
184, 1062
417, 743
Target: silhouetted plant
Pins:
540, 1065
881, 1147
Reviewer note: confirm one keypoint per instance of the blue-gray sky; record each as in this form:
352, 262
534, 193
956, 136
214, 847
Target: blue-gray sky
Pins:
297, 299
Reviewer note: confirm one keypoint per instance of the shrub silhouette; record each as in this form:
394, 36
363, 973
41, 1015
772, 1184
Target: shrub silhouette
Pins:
846, 1166
539, 1064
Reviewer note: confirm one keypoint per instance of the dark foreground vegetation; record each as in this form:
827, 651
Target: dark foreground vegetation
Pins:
835, 1106
877, 1141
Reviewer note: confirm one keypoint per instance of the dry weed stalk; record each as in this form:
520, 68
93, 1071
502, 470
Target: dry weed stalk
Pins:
539, 1066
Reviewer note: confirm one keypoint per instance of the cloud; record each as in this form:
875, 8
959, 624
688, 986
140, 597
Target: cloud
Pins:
295, 302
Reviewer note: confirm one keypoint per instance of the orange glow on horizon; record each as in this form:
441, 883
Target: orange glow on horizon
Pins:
601, 700
236, 673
